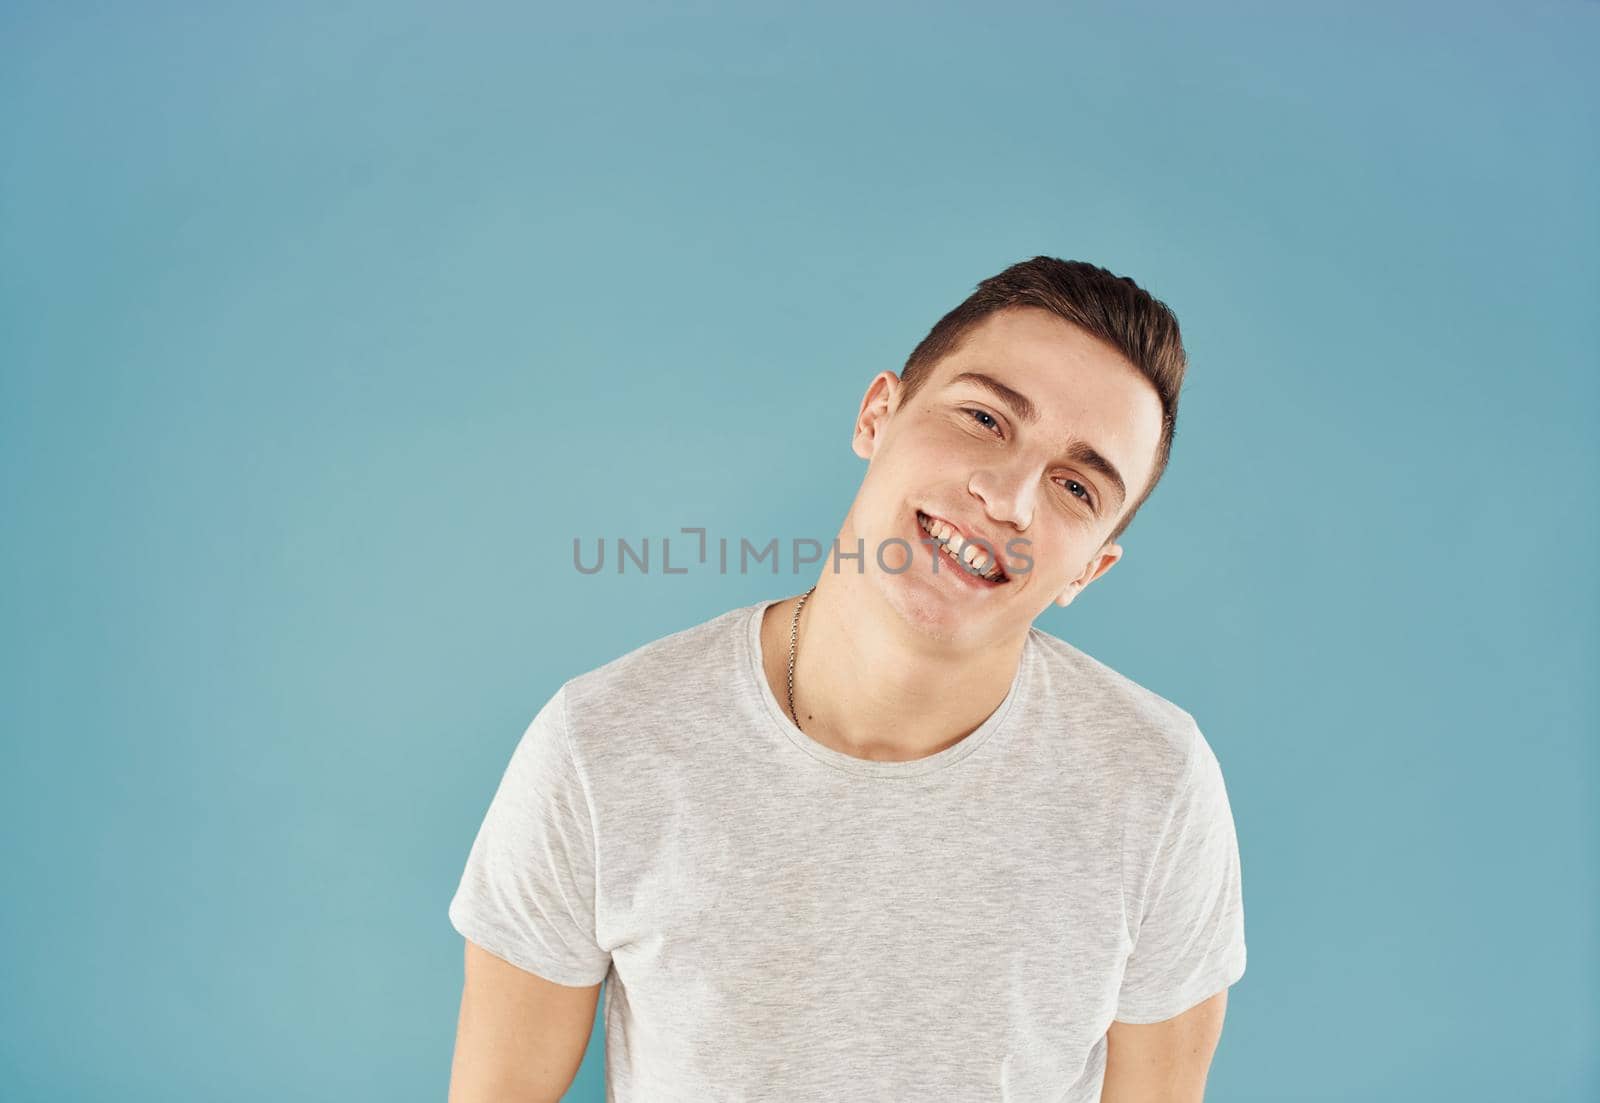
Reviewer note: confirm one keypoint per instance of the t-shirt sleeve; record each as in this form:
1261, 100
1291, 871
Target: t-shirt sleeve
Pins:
528, 892
1190, 939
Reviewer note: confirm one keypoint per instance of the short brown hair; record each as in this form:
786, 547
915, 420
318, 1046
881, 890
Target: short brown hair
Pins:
1110, 307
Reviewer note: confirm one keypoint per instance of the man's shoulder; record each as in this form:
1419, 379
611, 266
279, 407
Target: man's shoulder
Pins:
1146, 730
672, 668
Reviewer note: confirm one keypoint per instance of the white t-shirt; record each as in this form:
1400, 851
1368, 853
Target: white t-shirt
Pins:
778, 920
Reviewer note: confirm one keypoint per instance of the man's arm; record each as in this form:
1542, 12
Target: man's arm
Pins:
1163, 1062
520, 1037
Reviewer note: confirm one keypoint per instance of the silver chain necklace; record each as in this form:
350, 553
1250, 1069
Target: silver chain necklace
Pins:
794, 638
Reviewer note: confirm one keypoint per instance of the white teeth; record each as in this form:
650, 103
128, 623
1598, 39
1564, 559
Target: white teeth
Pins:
970, 556
968, 567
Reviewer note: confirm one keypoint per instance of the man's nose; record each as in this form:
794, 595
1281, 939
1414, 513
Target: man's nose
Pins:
1008, 493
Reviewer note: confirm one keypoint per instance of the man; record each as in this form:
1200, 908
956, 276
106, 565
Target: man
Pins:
886, 839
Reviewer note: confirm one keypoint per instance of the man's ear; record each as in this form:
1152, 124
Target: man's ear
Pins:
1098, 566
881, 400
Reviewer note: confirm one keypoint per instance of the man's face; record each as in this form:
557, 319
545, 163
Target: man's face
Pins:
1047, 454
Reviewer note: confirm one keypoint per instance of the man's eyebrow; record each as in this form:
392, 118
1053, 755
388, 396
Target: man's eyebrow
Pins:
1020, 404
1079, 451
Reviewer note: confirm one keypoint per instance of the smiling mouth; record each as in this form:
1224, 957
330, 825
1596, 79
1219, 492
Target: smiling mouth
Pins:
973, 559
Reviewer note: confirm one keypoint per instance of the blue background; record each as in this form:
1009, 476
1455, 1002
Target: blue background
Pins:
326, 328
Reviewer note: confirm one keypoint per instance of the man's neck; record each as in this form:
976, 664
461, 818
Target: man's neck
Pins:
869, 685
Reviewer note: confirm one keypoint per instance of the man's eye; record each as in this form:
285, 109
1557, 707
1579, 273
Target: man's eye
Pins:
1070, 483
981, 415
